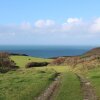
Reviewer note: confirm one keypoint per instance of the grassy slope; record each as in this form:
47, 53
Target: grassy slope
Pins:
25, 84
94, 76
70, 88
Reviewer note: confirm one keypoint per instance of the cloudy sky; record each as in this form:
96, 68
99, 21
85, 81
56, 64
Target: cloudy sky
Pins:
50, 22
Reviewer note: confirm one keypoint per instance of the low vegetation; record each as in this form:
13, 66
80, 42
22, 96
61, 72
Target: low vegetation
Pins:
94, 77
36, 64
6, 63
28, 83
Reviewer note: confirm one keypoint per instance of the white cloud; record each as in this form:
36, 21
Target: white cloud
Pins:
75, 26
72, 23
73, 20
44, 23
40, 23
66, 27
95, 26
73, 29
50, 23
25, 25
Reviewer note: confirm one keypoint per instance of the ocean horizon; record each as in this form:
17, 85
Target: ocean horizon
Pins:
45, 51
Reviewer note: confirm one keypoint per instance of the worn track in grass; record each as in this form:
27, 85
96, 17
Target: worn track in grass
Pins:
88, 90
48, 93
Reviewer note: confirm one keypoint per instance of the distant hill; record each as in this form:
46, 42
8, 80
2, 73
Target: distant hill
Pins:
90, 59
95, 51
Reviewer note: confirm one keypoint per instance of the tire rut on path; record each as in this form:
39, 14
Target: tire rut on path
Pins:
48, 93
88, 90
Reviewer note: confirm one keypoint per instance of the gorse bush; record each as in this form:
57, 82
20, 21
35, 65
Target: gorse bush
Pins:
36, 64
6, 63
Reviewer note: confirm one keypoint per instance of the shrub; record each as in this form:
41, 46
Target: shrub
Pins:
58, 61
36, 64
5, 63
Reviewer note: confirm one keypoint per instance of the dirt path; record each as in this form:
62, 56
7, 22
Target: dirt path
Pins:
88, 91
48, 93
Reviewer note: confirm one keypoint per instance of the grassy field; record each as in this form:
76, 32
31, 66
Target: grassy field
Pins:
69, 88
23, 60
26, 84
94, 77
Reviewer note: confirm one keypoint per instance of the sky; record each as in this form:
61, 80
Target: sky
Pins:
50, 22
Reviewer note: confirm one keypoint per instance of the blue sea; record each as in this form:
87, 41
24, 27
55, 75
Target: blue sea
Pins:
46, 51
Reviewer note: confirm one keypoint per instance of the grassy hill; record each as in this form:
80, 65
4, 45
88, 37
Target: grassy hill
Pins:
29, 83
95, 51
26, 84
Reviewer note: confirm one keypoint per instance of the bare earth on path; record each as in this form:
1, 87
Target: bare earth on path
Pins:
49, 92
88, 90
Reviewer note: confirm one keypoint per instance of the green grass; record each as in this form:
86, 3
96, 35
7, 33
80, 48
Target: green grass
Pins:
70, 88
27, 83
59, 69
94, 76
24, 84
23, 60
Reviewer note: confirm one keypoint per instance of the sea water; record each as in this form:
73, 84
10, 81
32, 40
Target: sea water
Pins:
46, 51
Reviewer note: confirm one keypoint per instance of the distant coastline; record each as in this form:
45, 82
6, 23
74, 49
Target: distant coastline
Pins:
46, 51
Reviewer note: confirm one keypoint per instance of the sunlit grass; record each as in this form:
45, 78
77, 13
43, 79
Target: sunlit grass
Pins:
27, 83
23, 60
24, 84
94, 77
70, 88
